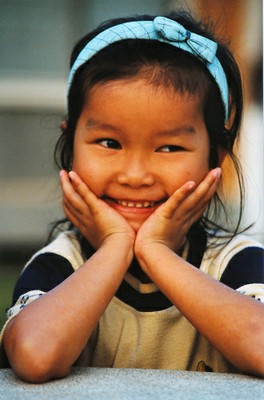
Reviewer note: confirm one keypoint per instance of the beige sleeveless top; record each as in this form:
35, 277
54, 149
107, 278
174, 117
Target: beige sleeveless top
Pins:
128, 338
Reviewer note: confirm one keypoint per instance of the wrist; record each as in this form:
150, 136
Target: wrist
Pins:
150, 254
120, 246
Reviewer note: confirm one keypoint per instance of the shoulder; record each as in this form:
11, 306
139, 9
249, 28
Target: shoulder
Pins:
245, 267
50, 266
241, 250
239, 265
43, 273
66, 245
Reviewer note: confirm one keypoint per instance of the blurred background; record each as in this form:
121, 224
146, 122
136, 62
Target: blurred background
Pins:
36, 39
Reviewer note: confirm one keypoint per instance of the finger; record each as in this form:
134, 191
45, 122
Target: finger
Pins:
71, 196
71, 214
178, 197
194, 216
199, 198
76, 211
67, 188
79, 221
200, 192
208, 186
198, 201
188, 199
82, 189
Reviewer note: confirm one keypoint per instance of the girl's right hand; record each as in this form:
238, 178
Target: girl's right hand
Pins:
94, 218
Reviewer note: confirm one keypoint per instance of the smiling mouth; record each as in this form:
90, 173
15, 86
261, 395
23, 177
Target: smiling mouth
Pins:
136, 204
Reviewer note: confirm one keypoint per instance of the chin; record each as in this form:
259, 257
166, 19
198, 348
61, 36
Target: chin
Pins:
136, 225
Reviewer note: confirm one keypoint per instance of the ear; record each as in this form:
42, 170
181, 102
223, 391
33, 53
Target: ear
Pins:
63, 125
222, 153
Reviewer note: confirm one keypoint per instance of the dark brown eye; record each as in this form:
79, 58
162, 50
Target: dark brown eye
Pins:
170, 149
109, 143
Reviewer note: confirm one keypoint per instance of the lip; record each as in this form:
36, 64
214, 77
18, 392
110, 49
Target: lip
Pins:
135, 216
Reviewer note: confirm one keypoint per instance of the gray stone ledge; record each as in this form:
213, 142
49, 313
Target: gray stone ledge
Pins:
128, 384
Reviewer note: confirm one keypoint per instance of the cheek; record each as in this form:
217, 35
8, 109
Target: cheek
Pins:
88, 172
177, 177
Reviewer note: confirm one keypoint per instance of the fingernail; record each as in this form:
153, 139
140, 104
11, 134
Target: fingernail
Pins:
217, 173
71, 174
190, 185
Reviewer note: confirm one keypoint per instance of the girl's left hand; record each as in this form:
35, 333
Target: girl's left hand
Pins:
171, 221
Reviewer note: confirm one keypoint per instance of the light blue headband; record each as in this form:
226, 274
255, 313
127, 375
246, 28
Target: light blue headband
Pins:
164, 30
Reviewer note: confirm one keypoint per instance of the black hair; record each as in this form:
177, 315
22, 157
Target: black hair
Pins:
167, 66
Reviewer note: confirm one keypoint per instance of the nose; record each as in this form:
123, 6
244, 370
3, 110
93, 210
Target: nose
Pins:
136, 172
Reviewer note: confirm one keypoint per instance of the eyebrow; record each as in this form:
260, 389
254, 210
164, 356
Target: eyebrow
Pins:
93, 123
181, 130
190, 130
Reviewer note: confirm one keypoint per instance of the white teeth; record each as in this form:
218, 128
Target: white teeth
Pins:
131, 204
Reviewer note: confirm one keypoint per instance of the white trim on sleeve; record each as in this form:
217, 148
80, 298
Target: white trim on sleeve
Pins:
21, 302
254, 290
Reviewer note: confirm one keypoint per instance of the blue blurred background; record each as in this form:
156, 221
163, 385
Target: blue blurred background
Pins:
36, 39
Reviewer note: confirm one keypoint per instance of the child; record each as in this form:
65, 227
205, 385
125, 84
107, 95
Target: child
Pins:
142, 277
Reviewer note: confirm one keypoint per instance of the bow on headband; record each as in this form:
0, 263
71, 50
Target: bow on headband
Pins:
172, 31
164, 30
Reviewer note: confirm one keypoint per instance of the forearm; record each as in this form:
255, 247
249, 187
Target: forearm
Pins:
48, 335
232, 322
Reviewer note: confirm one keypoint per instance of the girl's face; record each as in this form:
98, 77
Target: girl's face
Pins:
135, 144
